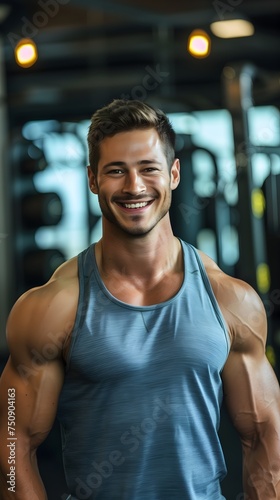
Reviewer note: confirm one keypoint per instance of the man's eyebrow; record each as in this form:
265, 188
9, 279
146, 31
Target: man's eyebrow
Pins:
148, 162
123, 164
113, 164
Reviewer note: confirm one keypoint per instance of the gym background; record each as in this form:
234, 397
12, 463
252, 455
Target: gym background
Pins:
214, 68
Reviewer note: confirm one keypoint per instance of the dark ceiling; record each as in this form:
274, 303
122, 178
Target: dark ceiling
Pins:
91, 51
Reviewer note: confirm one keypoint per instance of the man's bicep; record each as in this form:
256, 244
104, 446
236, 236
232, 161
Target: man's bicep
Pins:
251, 392
35, 368
30, 392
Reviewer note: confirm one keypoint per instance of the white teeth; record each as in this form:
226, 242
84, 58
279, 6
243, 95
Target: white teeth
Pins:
136, 205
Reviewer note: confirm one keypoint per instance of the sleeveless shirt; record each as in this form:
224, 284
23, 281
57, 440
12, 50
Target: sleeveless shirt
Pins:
140, 406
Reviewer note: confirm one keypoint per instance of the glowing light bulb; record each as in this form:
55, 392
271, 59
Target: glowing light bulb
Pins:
232, 28
199, 44
26, 53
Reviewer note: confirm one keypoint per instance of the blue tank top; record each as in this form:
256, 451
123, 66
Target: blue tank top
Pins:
140, 405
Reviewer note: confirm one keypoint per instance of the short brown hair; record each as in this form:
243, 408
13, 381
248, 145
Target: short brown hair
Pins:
122, 116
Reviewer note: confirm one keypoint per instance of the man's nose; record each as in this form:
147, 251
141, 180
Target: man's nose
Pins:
134, 183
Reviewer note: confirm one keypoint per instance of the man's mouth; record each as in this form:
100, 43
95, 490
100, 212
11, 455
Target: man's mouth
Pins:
135, 205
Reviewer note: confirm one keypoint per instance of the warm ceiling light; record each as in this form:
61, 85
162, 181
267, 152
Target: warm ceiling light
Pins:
232, 28
199, 44
26, 53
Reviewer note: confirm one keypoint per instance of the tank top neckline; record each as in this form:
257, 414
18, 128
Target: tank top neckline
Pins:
150, 307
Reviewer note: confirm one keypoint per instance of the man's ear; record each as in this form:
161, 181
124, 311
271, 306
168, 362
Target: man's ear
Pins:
175, 174
92, 181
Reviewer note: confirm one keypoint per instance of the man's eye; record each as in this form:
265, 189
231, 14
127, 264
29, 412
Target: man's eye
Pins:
150, 169
115, 171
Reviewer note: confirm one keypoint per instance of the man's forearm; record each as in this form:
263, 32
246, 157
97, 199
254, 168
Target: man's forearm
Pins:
21, 481
261, 475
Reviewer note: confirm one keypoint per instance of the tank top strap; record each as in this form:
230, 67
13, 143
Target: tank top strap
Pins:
196, 274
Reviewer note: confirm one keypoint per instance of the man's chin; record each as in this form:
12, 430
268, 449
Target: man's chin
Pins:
138, 235
136, 232
134, 229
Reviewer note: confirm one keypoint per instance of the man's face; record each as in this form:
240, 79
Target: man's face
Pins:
133, 182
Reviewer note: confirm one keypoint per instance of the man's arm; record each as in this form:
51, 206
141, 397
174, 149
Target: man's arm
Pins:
38, 326
252, 391
33, 402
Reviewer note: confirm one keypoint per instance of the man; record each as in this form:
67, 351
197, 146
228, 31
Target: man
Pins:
134, 343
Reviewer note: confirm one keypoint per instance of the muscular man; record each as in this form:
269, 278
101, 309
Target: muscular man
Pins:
134, 343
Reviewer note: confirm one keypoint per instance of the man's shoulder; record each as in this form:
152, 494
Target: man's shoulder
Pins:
226, 286
241, 306
63, 281
48, 307
67, 271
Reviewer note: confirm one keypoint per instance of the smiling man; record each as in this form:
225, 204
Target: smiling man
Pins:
135, 342
138, 185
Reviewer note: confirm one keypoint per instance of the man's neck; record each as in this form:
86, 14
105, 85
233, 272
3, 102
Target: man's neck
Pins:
147, 257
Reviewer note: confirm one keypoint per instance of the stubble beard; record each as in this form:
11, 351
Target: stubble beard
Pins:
134, 232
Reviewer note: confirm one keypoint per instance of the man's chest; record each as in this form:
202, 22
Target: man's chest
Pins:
148, 292
121, 341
